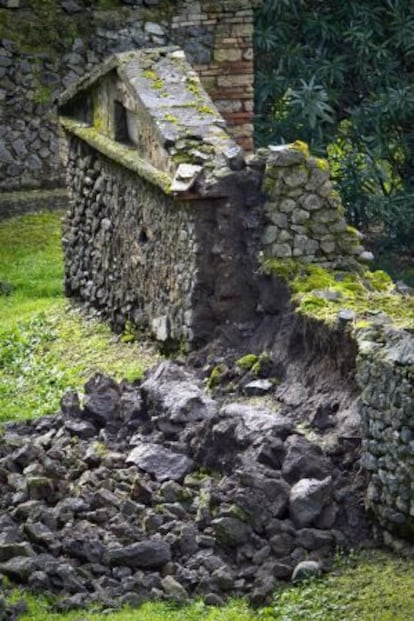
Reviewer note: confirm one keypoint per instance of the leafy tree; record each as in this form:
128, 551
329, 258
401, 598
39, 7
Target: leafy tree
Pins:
340, 75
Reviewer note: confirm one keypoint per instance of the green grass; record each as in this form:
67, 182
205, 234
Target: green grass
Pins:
47, 345
371, 586
31, 261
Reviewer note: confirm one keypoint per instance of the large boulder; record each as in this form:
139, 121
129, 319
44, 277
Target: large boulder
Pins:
307, 499
144, 554
161, 462
304, 460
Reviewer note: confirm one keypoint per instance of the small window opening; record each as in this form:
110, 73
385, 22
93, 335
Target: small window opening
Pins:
80, 108
121, 124
143, 237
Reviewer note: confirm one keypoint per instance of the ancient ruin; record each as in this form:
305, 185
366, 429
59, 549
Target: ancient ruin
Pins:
279, 436
47, 47
160, 198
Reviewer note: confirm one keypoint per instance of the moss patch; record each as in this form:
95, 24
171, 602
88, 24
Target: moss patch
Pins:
322, 293
156, 82
122, 154
322, 164
217, 376
301, 146
247, 362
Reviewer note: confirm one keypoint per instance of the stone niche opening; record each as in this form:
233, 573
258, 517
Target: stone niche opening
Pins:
79, 108
121, 124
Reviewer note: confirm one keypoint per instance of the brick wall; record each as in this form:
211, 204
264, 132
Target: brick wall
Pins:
227, 73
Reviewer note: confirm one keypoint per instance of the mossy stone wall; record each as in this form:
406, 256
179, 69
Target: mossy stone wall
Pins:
176, 270
385, 374
303, 214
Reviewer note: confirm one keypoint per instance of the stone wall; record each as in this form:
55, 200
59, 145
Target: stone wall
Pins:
173, 268
128, 250
180, 269
386, 380
48, 44
18, 203
303, 214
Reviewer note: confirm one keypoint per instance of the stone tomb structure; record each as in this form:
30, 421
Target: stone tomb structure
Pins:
167, 218
152, 236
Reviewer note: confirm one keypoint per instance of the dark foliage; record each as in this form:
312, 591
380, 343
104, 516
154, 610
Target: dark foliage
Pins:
341, 77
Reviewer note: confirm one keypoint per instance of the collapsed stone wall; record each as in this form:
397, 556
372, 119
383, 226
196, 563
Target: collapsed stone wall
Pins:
304, 216
181, 269
158, 491
46, 46
385, 374
174, 268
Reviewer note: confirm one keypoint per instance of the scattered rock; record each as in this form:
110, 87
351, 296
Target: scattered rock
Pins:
307, 499
145, 554
18, 568
159, 461
230, 531
258, 387
174, 589
133, 510
304, 460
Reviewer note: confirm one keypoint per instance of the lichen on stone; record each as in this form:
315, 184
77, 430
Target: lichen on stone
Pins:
301, 146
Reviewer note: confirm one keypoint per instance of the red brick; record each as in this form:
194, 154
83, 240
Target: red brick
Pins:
237, 117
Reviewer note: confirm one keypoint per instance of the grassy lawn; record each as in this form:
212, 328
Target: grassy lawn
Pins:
47, 345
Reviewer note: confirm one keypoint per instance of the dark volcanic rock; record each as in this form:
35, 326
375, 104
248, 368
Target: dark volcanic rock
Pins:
304, 460
101, 399
18, 568
156, 498
11, 550
305, 570
172, 394
159, 461
149, 554
230, 531
307, 499
82, 428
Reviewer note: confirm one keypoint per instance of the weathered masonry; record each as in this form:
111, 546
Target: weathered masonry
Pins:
48, 46
386, 379
153, 236
168, 224
167, 219
227, 73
